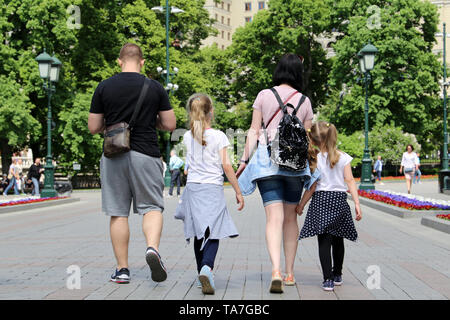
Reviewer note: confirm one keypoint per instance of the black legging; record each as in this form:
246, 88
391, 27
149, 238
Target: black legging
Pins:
207, 256
326, 242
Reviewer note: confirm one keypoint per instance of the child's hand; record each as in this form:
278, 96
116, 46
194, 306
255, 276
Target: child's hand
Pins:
240, 201
358, 212
299, 209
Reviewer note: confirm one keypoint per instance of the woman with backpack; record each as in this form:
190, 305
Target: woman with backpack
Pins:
280, 188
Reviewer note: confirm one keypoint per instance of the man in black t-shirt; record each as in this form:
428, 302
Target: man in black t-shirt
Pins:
34, 174
136, 176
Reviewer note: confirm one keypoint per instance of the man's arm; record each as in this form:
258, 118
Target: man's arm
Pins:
166, 120
96, 123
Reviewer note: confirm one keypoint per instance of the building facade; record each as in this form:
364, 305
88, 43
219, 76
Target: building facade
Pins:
230, 15
444, 14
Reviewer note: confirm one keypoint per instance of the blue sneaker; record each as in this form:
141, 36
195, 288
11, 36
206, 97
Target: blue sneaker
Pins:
207, 280
328, 285
337, 280
121, 276
157, 268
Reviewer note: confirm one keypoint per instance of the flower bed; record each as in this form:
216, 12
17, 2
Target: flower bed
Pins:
28, 201
402, 177
443, 216
404, 201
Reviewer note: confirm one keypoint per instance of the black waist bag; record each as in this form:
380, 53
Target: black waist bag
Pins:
289, 149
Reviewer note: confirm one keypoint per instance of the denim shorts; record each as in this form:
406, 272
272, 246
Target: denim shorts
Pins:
282, 189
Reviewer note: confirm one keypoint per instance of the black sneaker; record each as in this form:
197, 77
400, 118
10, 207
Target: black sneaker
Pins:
121, 276
328, 285
337, 280
157, 268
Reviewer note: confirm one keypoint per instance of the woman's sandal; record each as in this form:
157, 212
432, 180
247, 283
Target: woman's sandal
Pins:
289, 280
276, 285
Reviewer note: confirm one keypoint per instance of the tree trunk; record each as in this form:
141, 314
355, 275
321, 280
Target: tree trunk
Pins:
36, 148
6, 152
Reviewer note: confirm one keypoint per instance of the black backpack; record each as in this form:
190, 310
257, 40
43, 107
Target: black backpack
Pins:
289, 149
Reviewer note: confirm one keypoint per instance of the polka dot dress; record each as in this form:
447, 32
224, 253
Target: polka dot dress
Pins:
329, 213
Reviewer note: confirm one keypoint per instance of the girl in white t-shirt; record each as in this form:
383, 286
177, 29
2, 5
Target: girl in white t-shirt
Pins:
202, 206
329, 216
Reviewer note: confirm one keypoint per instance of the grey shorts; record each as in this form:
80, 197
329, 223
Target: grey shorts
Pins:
135, 177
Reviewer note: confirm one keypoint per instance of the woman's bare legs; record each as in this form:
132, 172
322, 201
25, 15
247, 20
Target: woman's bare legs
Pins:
290, 236
274, 233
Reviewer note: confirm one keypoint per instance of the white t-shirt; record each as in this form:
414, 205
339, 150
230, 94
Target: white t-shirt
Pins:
332, 179
205, 164
409, 160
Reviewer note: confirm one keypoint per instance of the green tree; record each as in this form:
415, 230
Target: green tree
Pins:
404, 91
287, 26
387, 141
16, 123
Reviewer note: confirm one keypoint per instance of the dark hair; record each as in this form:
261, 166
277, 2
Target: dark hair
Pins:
289, 70
410, 145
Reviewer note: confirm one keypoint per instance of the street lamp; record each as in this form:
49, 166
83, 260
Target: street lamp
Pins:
444, 174
49, 69
366, 63
166, 73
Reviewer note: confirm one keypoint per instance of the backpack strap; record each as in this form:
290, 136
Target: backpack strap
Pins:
282, 107
302, 99
281, 103
139, 103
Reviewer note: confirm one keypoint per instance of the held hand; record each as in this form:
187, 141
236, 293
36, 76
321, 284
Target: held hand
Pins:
240, 169
240, 201
358, 212
299, 209
400, 171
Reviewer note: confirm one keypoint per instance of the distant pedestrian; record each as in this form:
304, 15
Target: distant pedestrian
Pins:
4, 182
329, 216
13, 176
21, 180
378, 167
34, 174
164, 166
203, 207
175, 165
409, 165
418, 173
135, 176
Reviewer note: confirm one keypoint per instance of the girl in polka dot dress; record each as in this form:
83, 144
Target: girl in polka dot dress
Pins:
329, 216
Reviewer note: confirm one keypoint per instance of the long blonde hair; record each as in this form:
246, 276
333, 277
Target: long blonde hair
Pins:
324, 135
199, 107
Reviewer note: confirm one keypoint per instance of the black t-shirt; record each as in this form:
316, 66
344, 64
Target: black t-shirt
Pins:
116, 98
34, 171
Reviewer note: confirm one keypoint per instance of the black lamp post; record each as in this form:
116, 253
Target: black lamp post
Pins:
366, 63
49, 69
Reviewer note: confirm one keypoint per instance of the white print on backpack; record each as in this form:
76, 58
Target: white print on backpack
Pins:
74, 279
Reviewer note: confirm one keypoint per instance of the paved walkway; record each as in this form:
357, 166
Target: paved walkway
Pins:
38, 246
